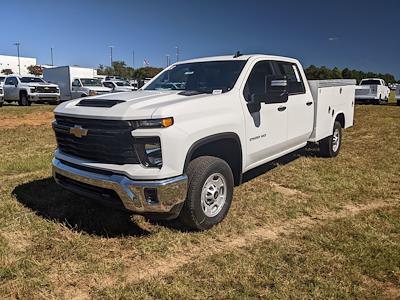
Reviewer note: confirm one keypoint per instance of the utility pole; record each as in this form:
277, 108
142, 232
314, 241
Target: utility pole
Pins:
111, 55
51, 53
133, 58
168, 59
19, 62
177, 53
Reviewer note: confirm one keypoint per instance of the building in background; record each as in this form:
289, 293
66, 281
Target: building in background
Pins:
11, 62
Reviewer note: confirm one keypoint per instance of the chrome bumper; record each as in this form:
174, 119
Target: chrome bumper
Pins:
158, 196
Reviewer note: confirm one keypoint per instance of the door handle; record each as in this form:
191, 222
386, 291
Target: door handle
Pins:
309, 103
281, 108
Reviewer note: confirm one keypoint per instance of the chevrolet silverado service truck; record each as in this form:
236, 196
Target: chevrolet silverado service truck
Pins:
75, 82
373, 90
178, 152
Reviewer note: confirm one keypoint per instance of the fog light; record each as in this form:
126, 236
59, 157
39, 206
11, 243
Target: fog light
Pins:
150, 196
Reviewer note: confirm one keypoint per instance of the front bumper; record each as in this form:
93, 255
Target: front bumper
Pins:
158, 196
44, 97
366, 97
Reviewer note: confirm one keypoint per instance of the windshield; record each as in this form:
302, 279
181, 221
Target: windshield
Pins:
122, 83
31, 79
370, 82
91, 82
205, 77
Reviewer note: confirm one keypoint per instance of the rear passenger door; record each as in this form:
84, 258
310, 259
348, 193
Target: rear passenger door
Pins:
300, 106
266, 129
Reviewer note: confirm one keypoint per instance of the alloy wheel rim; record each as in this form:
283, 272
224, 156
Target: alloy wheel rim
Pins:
336, 140
213, 195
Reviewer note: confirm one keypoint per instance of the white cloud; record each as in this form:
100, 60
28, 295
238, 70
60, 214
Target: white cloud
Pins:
333, 38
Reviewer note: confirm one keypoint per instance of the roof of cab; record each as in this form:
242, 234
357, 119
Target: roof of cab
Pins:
241, 57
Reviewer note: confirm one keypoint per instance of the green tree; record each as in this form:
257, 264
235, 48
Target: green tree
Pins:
35, 70
7, 71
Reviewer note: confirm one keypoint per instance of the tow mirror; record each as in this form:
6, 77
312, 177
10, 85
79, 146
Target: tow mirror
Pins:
276, 89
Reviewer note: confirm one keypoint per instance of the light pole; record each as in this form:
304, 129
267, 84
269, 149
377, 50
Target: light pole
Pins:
19, 62
168, 59
111, 55
177, 53
133, 58
51, 53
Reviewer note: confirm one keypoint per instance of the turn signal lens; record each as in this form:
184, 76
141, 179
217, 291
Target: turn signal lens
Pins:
167, 122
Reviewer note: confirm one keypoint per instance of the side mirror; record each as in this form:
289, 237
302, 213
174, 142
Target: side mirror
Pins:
276, 89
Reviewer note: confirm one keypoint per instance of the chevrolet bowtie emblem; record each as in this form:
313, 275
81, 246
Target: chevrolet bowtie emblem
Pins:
78, 131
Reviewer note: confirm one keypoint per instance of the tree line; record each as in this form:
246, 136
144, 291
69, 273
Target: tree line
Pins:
312, 72
121, 69
321, 73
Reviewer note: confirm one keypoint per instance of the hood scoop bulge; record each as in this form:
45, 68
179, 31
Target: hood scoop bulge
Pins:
98, 103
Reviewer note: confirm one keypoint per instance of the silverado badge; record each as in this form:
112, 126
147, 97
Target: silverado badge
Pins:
78, 131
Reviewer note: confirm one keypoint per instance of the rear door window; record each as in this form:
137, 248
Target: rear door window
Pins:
293, 76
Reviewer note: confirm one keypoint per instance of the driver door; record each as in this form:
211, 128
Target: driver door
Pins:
76, 89
266, 129
10, 89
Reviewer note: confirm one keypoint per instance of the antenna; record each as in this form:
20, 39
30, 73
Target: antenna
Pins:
237, 54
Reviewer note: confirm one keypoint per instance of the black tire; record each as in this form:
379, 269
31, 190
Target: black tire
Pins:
23, 100
327, 146
398, 102
199, 170
1, 103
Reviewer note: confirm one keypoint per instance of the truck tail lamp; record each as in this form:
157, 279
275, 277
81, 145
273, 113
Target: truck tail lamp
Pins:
148, 150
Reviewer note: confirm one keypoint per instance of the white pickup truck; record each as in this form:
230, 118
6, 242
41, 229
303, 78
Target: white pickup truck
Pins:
28, 89
178, 153
373, 90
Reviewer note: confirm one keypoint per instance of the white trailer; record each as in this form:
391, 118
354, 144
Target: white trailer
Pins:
75, 82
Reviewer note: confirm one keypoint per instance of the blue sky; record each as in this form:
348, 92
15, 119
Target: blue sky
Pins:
333, 33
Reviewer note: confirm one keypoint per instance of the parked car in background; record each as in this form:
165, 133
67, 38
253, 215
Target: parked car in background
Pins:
178, 152
373, 90
75, 82
134, 83
108, 78
2, 78
28, 89
119, 86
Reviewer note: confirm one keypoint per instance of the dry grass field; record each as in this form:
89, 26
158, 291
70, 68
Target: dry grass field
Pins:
301, 227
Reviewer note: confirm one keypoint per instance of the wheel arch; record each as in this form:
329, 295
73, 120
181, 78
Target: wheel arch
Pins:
340, 117
226, 146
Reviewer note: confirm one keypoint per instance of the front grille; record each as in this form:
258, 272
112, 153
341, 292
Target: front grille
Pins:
106, 141
46, 89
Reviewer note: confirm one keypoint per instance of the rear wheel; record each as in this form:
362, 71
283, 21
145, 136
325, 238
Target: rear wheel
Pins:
330, 146
209, 196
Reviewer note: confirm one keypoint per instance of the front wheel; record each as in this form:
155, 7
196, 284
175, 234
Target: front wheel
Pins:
23, 100
330, 146
209, 196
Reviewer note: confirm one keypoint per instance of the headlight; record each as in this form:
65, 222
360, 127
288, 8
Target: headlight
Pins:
92, 93
153, 123
33, 89
148, 150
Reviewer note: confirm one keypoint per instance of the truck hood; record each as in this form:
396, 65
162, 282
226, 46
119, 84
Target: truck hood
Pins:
133, 106
41, 84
